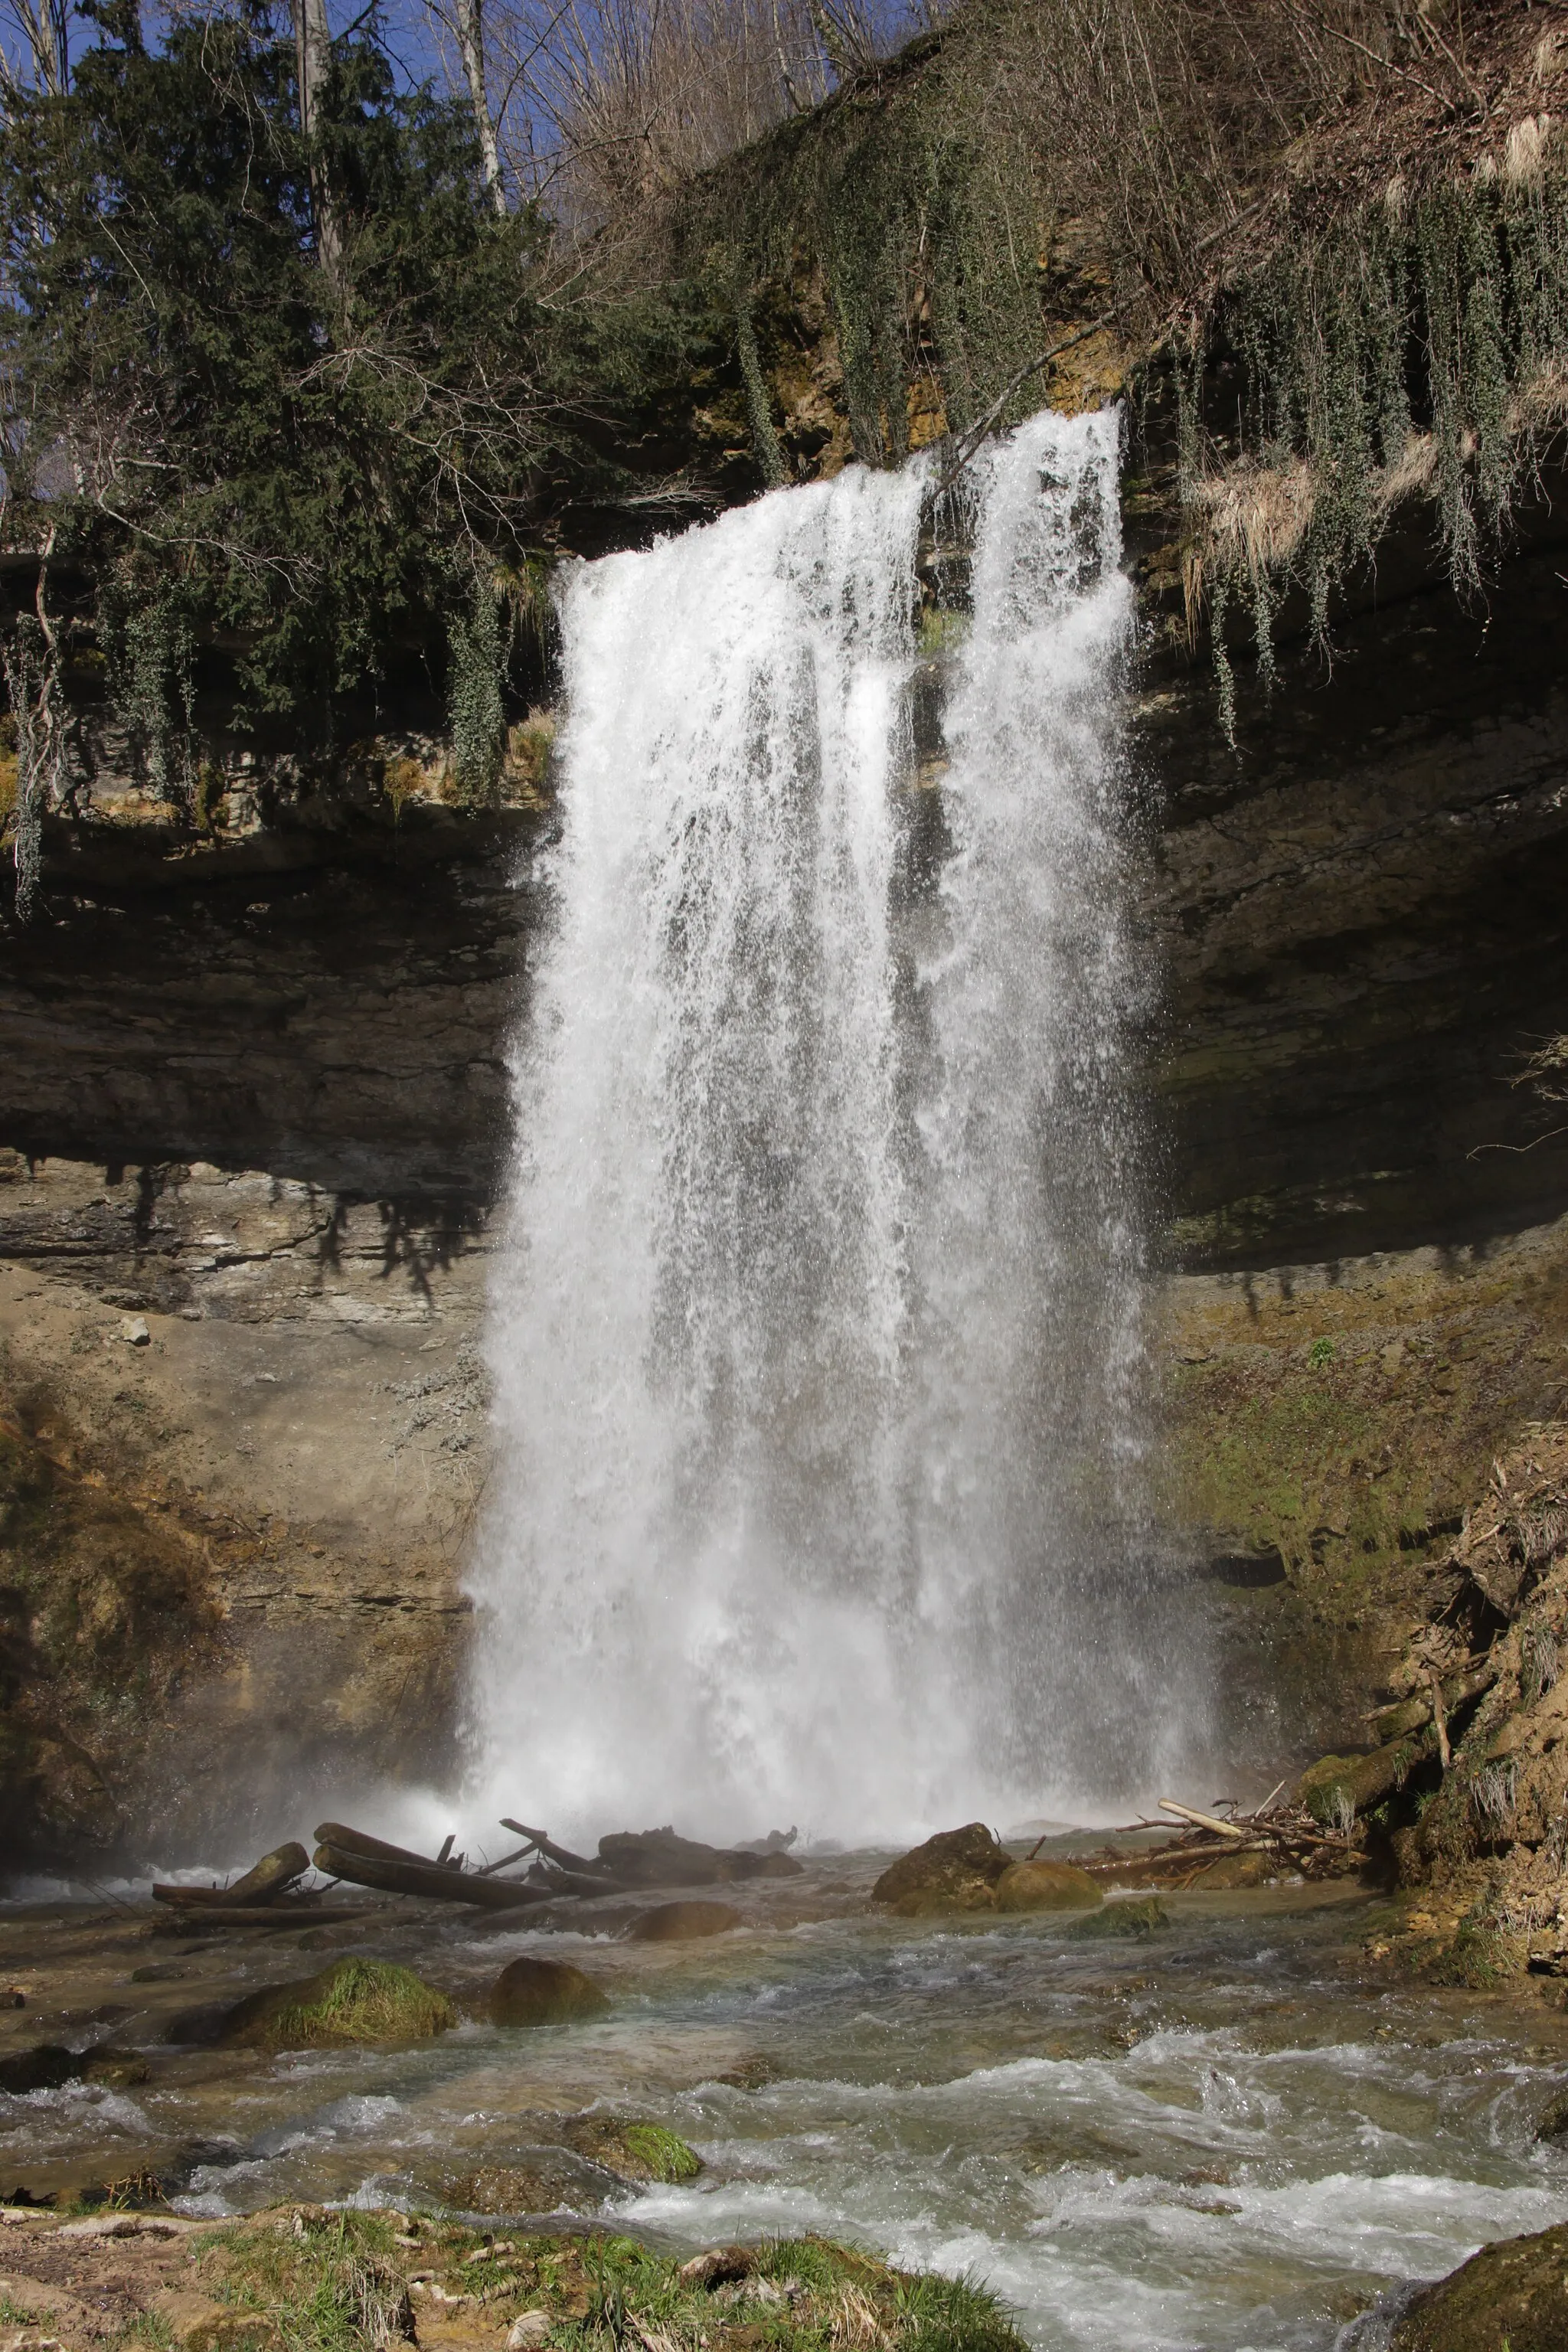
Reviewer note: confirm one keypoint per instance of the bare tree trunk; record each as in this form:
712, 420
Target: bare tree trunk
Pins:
44, 26
314, 50
32, 664
472, 38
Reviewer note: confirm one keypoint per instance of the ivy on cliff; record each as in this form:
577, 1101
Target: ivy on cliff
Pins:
1416, 348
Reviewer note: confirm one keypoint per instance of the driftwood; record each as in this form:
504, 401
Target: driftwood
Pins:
1200, 1821
1286, 1831
576, 1881
538, 1841
262, 1884
631, 1861
343, 1840
182, 1922
430, 1881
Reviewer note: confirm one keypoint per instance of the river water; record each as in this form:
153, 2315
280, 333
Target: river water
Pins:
1237, 2132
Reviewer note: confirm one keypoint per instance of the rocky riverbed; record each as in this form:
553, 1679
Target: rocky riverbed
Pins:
1235, 2124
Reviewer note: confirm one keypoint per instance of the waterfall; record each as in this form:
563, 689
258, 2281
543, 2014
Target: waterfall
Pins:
815, 1335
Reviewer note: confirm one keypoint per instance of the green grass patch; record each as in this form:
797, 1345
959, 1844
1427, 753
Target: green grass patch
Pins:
336, 2282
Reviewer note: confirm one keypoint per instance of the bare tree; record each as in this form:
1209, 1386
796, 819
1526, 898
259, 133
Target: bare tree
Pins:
41, 29
313, 52
471, 41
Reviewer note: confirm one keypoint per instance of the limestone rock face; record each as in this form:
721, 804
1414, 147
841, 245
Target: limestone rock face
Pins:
1510, 2297
543, 1992
1046, 1886
957, 1870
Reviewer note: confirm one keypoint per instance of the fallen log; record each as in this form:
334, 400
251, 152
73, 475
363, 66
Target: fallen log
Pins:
1204, 1820
184, 1922
345, 1839
538, 1841
430, 1881
577, 1882
261, 1883
658, 1858
270, 1877
1355, 1783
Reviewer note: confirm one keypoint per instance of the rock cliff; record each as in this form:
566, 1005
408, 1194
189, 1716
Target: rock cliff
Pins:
256, 1125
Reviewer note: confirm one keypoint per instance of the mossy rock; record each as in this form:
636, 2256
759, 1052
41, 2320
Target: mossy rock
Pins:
115, 2069
681, 1923
1553, 2123
1236, 1870
1135, 1920
43, 2068
1510, 2297
957, 1870
1358, 1782
1046, 1886
531, 1992
636, 2151
354, 2001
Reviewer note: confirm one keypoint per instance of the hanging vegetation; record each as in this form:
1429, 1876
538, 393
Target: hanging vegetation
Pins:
476, 710
1417, 348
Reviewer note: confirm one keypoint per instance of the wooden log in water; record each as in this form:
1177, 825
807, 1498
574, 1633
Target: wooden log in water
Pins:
577, 1882
263, 1882
204, 1920
430, 1881
267, 1879
1202, 1821
560, 1856
343, 1840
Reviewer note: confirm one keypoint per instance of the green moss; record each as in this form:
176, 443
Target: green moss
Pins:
354, 2001
664, 2153
1479, 1957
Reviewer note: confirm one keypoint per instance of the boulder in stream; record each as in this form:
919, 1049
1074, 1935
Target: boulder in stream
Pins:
660, 1858
681, 1923
354, 2001
957, 1870
1510, 2297
1046, 1886
1136, 1919
530, 1991
43, 2068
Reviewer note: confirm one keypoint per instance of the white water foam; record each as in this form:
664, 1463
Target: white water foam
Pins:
816, 1334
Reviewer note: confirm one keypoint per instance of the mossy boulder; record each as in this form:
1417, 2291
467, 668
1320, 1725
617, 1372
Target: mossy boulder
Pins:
1336, 1783
679, 1923
43, 2068
1510, 2297
354, 2001
1046, 1886
531, 1992
637, 2151
503, 2188
1136, 1920
957, 1870
1236, 1870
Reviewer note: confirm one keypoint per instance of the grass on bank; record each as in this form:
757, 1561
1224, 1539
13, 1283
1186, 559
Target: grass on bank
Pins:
334, 2281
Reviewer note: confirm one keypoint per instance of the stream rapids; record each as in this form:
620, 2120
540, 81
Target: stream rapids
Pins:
1233, 2136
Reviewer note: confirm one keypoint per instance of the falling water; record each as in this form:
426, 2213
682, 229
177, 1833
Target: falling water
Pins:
818, 1419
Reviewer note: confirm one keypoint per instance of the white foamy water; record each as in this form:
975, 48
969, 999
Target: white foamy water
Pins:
816, 1336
